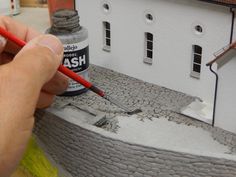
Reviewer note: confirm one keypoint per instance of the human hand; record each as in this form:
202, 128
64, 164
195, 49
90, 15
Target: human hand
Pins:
28, 82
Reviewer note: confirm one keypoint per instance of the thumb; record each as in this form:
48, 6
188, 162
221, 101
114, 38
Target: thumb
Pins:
40, 58
23, 78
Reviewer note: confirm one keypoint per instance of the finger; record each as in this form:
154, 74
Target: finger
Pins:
3, 42
21, 81
40, 58
19, 30
45, 100
57, 85
5, 58
23, 78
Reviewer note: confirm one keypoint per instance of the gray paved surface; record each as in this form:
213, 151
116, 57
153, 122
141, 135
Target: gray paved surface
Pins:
85, 152
88, 152
155, 102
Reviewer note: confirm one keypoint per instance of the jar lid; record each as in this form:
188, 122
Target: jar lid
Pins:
65, 21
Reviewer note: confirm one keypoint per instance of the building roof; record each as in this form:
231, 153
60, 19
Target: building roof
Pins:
229, 3
223, 51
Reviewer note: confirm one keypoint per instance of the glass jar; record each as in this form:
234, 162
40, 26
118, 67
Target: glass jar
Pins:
65, 25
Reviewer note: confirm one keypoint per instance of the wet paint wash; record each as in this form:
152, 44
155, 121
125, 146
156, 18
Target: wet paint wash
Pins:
65, 25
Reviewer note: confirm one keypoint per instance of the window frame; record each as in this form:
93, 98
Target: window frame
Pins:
148, 48
106, 36
196, 61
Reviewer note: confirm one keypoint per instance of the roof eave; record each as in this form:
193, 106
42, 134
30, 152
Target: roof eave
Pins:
219, 3
232, 46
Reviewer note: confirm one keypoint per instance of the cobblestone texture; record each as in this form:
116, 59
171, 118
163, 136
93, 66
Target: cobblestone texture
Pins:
155, 102
87, 153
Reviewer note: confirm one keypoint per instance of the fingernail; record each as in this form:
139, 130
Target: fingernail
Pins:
51, 42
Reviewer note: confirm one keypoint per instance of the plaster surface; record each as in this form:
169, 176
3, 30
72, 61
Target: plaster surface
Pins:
74, 113
161, 133
200, 110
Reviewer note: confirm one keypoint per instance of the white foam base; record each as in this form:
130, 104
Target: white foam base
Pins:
199, 110
161, 133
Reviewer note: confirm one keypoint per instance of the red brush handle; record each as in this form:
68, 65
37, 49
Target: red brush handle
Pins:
12, 38
61, 68
74, 76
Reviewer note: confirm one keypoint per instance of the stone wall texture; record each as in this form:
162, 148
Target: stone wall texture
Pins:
85, 152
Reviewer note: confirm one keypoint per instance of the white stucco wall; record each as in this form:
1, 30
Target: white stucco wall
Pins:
225, 107
5, 8
173, 39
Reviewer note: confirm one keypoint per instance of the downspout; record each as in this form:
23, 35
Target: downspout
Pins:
216, 75
215, 95
232, 25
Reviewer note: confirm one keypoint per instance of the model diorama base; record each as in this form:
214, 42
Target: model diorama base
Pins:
90, 137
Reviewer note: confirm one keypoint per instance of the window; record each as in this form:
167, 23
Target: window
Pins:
148, 47
198, 29
196, 61
149, 18
106, 7
106, 36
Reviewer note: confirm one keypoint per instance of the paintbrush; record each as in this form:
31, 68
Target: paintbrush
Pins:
73, 76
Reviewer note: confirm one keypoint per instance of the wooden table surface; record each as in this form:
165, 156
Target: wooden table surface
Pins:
37, 18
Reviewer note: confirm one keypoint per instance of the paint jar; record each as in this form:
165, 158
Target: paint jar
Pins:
65, 25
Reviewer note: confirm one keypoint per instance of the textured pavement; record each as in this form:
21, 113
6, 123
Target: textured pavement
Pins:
155, 102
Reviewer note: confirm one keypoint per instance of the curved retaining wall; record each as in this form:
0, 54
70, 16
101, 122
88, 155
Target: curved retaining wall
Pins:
88, 151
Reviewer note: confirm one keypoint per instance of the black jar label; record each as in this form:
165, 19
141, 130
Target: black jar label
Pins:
76, 58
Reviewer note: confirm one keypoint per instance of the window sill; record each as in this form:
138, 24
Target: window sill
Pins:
147, 60
106, 49
195, 75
